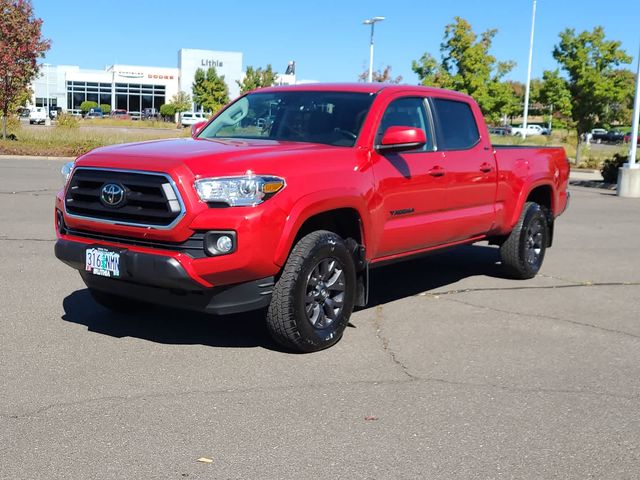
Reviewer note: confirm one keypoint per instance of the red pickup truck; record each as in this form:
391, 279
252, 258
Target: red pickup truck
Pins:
287, 197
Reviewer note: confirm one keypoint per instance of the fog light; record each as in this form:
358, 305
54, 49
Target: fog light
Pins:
224, 244
220, 242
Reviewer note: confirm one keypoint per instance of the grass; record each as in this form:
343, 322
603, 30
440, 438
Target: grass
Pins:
71, 142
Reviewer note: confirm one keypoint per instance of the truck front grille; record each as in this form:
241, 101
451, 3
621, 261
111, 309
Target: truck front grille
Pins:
123, 197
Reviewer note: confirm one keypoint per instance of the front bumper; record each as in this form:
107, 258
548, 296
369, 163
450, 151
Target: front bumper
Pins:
160, 279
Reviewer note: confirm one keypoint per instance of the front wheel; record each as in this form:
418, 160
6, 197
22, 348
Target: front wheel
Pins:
313, 299
523, 251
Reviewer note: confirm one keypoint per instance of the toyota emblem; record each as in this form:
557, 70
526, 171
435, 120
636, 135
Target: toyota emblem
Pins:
112, 195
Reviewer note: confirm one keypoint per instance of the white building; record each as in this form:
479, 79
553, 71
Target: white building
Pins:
134, 88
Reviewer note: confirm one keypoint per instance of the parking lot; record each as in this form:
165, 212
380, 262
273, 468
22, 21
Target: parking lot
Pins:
451, 372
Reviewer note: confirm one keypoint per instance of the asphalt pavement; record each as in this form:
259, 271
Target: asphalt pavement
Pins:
452, 372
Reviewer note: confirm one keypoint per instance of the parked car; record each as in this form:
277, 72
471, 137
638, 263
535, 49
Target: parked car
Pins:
120, 114
532, 130
500, 131
614, 136
598, 134
292, 218
38, 116
191, 118
150, 114
93, 114
627, 138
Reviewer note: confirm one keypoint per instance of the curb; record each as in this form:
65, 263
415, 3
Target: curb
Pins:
36, 157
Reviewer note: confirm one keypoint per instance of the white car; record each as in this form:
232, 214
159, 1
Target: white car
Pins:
532, 130
38, 115
191, 118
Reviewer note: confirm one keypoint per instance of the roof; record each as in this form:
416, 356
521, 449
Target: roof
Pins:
356, 87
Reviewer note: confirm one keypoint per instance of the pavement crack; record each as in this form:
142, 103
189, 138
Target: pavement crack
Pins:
29, 192
385, 344
545, 317
532, 287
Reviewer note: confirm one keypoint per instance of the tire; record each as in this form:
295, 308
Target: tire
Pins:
523, 251
314, 296
115, 302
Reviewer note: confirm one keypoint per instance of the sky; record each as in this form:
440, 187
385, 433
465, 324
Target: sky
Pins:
326, 38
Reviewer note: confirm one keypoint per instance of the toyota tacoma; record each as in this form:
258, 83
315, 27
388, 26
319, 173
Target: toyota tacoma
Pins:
287, 198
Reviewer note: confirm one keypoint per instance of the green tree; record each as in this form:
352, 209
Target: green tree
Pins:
380, 76
181, 102
467, 66
21, 44
210, 91
555, 95
255, 78
106, 108
594, 81
87, 105
168, 111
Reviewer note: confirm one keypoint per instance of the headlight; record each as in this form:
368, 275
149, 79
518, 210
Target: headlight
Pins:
247, 190
65, 171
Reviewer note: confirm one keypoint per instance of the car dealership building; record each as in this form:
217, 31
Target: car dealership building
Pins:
134, 88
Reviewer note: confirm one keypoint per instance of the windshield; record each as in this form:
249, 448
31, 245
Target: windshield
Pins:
332, 118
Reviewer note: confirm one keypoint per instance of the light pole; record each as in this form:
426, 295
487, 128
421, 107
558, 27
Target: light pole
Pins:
372, 22
528, 89
629, 174
47, 120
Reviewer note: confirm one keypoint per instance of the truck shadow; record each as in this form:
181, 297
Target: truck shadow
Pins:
248, 330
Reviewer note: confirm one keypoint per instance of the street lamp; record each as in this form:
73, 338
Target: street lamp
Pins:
372, 22
528, 89
629, 173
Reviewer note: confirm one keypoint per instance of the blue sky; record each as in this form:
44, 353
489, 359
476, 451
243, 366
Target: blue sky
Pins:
327, 38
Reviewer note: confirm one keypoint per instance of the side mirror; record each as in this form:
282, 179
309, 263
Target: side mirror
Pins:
196, 128
400, 139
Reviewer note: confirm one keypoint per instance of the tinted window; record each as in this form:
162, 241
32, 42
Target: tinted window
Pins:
456, 125
406, 112
332, 118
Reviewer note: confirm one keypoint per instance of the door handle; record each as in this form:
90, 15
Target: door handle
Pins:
486, 168
437, 171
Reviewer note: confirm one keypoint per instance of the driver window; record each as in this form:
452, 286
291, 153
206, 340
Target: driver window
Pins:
406, 112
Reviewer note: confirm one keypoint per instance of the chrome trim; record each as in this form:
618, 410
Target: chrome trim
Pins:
182, 213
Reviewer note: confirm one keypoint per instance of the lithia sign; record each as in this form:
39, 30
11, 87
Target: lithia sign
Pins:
210, 63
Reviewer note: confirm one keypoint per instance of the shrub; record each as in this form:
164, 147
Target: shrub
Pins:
168, 111
106, 108
610, 167
87, 105
68, 121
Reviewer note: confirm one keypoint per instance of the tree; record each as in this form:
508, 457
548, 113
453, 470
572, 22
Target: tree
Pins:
380, 76
210, 91
168, 111
87, 105
255, 78
181, 102
554, 93
467, 66
594, 82
106, 108
21, 44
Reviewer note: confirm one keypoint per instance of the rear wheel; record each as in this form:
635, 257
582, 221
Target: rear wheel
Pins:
313, 299
116, 302
523, 251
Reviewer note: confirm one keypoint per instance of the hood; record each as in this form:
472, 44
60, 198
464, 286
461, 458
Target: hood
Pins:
202, 156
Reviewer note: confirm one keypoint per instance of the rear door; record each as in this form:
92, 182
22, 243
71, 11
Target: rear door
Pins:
470, 166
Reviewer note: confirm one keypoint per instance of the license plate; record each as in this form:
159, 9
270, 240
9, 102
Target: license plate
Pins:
103, 262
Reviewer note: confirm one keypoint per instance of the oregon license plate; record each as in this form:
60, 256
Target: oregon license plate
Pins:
103, 262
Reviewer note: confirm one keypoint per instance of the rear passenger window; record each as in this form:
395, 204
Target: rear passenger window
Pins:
456, 125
